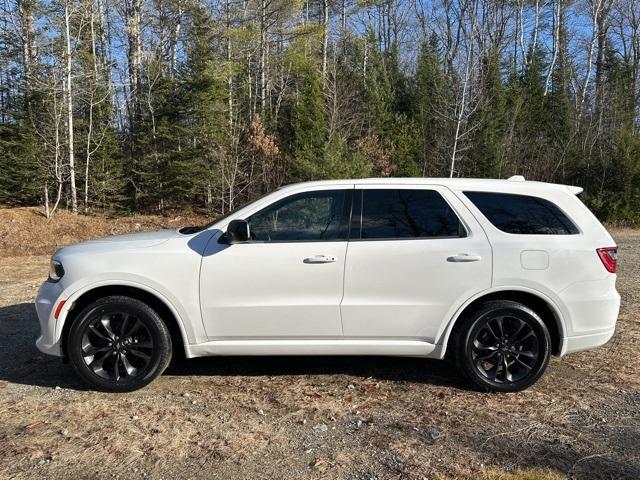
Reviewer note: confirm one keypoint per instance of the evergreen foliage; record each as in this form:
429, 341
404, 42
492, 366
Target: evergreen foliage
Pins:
236, 99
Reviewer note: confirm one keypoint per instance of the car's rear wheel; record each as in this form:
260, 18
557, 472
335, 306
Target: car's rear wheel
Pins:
503, 346
119, 344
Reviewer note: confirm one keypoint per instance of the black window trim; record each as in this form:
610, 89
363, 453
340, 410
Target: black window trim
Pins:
360, 204
577, 227
349, 194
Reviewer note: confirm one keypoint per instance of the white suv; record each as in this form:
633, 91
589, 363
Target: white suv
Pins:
495, 274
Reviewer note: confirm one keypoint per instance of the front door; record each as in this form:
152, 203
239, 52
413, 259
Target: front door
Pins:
287, 281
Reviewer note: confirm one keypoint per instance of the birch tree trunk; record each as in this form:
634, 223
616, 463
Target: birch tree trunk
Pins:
602, 25
596, 12
470, 33
557, 9
536, 27
325, 36
135, 60
29, 51
47, 213
461, 113
57, 167
631, 16
87, 159
68, 94
263, 56
174, 40
229, 59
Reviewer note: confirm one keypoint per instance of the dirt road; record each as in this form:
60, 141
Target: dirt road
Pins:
351, 418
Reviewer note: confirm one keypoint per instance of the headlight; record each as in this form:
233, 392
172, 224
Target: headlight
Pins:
56, 270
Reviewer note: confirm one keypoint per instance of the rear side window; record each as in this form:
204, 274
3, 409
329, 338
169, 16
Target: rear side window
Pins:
522, 214
389, 214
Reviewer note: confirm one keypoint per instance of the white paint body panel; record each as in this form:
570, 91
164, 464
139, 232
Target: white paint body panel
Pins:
266, 290
411, 348
403, 289
385, 297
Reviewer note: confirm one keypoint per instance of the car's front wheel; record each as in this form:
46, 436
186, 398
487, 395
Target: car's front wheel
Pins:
503, 346
118, 344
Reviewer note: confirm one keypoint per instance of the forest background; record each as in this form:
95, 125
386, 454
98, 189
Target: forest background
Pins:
168, 105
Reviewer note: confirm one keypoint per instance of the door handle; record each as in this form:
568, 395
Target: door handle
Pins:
464, 257
320, 259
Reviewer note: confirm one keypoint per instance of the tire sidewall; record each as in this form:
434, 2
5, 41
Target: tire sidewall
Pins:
158, 331
477, 321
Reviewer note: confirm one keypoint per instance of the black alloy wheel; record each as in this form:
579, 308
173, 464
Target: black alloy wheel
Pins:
504, 346
116, 345
119, 344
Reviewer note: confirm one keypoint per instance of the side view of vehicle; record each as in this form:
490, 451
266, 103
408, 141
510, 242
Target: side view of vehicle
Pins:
496, 275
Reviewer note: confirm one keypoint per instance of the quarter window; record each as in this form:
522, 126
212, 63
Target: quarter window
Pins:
311, 216
391, 213
522, 214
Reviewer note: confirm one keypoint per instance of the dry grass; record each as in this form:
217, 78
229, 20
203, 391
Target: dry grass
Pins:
25, 231
348, 418
534, 474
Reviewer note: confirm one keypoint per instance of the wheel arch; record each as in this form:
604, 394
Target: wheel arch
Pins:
152, 298
537, 301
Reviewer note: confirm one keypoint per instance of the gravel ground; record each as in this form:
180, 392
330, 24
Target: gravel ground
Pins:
349, 418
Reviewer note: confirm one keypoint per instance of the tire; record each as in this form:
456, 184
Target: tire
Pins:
503, 346
118, 344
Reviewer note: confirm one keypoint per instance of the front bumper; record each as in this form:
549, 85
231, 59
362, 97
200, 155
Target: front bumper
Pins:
48, 297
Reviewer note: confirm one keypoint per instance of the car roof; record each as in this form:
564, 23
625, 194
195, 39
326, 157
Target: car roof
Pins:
453, 183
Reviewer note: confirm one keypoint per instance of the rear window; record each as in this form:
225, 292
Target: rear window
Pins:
390, 214
522, 214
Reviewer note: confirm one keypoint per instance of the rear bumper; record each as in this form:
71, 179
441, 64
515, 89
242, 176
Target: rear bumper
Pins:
593, 308
587, 342
48, 297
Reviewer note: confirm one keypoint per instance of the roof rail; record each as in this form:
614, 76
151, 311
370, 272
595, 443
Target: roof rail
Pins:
516, 178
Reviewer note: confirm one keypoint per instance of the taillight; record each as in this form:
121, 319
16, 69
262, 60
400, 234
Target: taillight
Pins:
609, 257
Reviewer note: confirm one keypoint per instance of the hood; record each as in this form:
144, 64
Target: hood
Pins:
142, 239
119, 242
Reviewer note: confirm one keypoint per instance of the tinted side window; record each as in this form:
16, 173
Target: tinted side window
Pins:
309, 216
522, 214
407, 214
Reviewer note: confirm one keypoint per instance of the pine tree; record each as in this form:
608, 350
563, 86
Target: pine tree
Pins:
308, 126
431, 100
486, 154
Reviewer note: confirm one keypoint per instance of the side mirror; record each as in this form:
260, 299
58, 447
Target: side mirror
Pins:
237, 231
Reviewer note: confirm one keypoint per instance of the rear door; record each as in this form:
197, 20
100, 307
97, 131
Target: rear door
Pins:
415, 255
